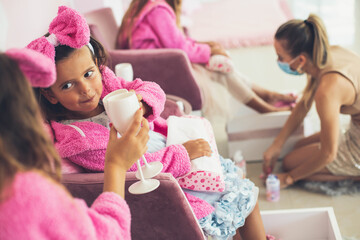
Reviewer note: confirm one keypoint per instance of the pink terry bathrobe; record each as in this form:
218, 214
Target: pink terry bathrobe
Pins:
35, 207
85, 145
155, 27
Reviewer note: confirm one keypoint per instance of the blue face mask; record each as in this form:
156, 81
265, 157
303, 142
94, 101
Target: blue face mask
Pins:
286, 67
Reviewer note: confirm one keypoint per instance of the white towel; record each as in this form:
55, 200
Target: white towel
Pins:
183, 129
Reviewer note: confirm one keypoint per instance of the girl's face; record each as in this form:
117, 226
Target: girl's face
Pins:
78, 86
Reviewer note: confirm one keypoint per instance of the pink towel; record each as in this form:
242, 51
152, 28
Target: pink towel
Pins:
38, 68
67, 28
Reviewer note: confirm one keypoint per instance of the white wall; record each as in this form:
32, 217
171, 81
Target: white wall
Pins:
84, 6
117, 6
3, 28
22, 21
28, 19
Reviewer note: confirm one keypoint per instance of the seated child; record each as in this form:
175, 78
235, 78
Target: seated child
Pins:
74, 110
33, 203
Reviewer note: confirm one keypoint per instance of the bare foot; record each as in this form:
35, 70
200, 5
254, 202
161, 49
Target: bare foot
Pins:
282, 177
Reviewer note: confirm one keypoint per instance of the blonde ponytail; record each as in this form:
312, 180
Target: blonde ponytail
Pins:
321, 42
310, 37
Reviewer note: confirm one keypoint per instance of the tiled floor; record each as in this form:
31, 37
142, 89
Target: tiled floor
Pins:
341, 18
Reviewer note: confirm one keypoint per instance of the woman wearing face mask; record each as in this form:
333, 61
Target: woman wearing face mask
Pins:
333, 75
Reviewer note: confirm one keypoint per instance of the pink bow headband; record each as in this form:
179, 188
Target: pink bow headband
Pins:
38, 69
67, 28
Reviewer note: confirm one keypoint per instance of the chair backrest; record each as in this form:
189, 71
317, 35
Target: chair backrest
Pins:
104, 19
162, 214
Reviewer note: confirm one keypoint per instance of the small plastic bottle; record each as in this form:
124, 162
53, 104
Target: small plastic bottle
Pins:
240, 162
272, 188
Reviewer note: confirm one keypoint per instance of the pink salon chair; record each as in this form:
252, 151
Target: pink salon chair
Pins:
162, 214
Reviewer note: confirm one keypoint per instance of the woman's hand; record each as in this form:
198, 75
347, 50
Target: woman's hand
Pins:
123, 152
273, 97
197, 148
271, 155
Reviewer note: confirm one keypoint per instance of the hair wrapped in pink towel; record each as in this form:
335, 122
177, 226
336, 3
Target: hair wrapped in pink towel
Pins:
38, 68
68, 28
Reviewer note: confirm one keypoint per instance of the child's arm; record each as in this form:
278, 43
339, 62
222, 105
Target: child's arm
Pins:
152, 96
163, 23
151, 93
174, 158
147, 110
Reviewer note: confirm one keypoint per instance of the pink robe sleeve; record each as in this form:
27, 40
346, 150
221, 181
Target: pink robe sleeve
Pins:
163, 24
87, 148
111, 216
174, 158
41, 209
151, 92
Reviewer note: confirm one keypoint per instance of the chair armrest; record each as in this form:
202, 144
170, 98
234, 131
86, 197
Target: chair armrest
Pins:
172, 108
170, 68
160, 214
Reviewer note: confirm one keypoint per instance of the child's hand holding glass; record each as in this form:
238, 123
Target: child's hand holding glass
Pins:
133, 140
122, 153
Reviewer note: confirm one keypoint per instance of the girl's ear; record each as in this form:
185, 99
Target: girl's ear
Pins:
48, 94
